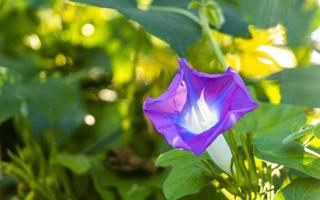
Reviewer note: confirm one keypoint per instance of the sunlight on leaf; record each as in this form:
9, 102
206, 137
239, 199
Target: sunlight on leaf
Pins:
300, 189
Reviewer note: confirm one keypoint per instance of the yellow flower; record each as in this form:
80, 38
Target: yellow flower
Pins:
263, 54
150, 66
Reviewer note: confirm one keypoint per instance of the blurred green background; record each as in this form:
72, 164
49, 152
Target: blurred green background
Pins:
73, 79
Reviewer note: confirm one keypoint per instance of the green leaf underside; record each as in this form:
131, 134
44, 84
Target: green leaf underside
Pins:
233, 25
293, 14
300, 86
177, 30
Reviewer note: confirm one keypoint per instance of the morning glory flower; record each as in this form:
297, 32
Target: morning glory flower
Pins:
198, 107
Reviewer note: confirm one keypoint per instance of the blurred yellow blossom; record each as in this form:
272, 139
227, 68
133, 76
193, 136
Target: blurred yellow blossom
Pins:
272, 90
150, 66
263, 54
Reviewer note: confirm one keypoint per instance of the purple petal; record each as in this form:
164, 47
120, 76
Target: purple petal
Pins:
197, 107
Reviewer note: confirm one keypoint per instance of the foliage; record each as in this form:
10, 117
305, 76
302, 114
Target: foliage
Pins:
302, 188
302, 79
73, 78
186, 177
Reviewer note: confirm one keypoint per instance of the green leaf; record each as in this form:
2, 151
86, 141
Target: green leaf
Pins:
130, 188
55, 102
207, 193
300, 189
177, 30
79, 164
9, 101
172, 21
300, 86
302, 131
270, 125
233, 25
293, 14
316, 131
53, 97
186, 176
270, 120
14, 67
291, 155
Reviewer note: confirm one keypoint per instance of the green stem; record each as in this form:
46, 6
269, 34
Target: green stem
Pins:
176, 10
203, 22
207, 32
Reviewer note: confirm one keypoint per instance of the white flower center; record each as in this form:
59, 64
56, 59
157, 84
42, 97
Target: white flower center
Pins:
200, 117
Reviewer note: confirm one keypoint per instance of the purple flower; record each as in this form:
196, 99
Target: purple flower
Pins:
197, 107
